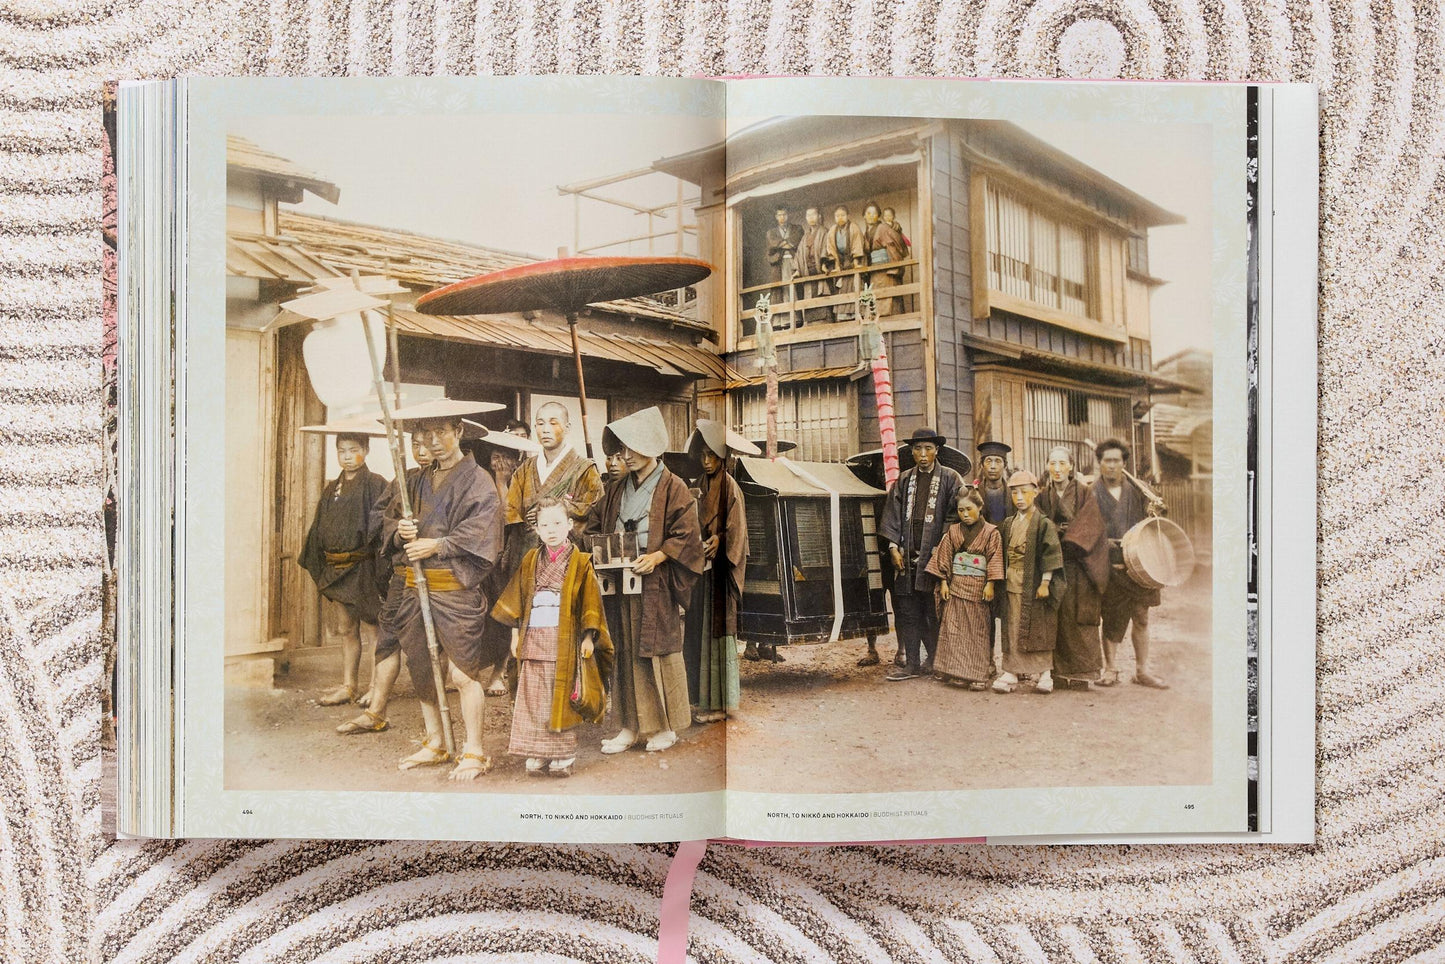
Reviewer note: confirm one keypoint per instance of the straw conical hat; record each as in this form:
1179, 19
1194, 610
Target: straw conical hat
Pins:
369, 425
719, 439
644, 432
444, 408
478, 434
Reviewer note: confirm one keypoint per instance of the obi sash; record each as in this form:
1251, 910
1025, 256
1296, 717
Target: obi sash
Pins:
437, 580
344, 560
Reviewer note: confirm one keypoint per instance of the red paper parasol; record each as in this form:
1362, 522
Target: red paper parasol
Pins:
566, 285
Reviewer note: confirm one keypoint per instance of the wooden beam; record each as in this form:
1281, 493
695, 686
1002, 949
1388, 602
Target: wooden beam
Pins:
1052, 316
978, 243
925, 283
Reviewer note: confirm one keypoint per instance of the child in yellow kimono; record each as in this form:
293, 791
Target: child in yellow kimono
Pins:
554, 604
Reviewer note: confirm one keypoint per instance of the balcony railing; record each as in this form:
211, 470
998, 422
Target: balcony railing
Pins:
816, 299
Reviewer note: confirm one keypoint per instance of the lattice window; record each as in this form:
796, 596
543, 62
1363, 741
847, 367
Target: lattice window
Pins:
820, 416
1033, 255
1072, 418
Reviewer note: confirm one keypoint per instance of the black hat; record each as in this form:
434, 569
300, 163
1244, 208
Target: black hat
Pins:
993, 448
925, 435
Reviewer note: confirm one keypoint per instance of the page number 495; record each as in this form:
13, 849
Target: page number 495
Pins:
1187, 806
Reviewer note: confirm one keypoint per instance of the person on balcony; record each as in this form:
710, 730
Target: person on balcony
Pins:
883, 244
844, 251
784, 240
890, 218
815, 241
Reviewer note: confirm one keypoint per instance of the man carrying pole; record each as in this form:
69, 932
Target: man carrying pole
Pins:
455, 536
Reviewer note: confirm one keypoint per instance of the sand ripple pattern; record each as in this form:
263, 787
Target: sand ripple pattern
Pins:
1374, 889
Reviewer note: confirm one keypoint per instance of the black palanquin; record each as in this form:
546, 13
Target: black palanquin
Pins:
790, 595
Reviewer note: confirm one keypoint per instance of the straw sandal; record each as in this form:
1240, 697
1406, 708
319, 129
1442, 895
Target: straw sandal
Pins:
368, 722
470, 766
427, 756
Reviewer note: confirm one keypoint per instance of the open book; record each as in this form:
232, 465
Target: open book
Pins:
786, 460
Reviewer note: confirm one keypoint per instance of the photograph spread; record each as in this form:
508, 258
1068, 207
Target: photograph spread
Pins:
633, 460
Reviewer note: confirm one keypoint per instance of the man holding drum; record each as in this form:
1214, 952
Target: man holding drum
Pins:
1126, 603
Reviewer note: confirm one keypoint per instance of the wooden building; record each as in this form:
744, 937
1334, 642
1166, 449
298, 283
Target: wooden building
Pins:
1022, 313
637, 353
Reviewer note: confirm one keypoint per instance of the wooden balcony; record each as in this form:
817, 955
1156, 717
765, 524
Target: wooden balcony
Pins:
800, 313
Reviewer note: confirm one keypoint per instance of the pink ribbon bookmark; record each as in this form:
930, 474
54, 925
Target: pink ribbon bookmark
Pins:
677, 902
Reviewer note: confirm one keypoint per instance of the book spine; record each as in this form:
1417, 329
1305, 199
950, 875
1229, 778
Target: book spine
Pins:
147, 293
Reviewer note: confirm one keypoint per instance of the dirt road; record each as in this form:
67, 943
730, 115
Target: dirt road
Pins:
819, 724
280, 739
813, 724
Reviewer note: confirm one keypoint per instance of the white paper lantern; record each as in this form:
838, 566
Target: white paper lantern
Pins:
337, 359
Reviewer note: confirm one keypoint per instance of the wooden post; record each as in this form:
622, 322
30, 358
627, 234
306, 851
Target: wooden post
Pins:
398, 462
875, 351
581, 383
768, 358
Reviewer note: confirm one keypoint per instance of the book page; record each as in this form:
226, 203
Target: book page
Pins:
324, 212
1037, 293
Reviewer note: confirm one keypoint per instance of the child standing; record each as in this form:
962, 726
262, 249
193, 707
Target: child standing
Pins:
969, 565
1034, 578
555, 605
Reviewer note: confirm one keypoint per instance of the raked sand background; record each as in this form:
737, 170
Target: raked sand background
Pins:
1374, 887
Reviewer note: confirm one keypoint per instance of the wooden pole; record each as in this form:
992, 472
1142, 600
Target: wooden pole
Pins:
398, 462
876, 352
581, 382
768, 355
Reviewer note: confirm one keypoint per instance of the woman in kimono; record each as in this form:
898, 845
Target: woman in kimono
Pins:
969, 564
710, 648
1033, 576
554, 605
650, 695
883, 244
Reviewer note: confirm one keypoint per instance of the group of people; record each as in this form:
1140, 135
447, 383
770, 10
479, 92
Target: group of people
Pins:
504, 556
1041, 559
815, 250
493, 569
